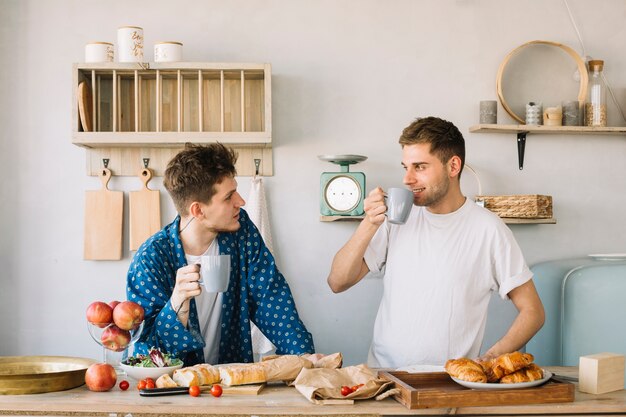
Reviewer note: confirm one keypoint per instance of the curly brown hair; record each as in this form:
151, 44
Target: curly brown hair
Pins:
444, 138
192, 173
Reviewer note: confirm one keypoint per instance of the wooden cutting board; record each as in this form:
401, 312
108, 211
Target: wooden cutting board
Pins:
85, 106
438, 390
145, 212
103, 222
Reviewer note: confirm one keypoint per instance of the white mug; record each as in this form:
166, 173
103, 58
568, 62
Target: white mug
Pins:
130, 44
99, 52
399, 203
168, 52
215, 272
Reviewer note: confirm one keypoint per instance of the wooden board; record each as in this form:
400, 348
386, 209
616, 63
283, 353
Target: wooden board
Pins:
438, 390
85, 106
253, 389
103, 222
145, 212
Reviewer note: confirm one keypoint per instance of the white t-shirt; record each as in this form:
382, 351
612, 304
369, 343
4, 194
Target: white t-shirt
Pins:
209, 307
439, 272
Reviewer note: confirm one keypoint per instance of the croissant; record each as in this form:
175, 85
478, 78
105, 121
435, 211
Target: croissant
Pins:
466, 370
506, 364
530, 373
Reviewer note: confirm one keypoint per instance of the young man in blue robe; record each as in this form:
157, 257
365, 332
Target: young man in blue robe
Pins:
181, 317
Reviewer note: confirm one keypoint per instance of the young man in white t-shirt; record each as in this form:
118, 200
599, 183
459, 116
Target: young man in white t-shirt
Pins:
441, 267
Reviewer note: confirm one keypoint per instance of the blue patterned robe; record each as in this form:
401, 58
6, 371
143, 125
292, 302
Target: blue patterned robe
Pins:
257, 291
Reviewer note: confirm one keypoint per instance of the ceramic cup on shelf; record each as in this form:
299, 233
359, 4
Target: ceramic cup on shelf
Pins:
571, 113
534, 113
130, 44
553, 116
168, 51
99, 52
488, 112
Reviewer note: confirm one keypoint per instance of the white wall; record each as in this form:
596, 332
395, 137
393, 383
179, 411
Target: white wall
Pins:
347, 77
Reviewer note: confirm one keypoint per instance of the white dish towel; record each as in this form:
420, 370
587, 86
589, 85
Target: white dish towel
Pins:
256, 207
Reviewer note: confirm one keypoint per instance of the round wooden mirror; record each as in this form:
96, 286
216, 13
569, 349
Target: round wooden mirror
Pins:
540, 71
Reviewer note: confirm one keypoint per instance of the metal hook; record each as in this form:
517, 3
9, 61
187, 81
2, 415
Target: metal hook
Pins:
257, 164
105, 162
146, 162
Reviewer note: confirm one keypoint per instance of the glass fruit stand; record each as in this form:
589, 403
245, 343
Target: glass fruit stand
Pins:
116, 331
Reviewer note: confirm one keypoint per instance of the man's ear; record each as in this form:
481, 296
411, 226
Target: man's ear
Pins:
195, 210
454, 166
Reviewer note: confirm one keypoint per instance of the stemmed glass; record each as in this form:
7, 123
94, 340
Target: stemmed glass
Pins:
114, 341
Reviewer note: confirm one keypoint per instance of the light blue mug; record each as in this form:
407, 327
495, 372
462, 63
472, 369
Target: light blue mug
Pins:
215, 272
399, 203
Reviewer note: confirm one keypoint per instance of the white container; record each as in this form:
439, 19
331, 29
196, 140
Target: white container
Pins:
130, 44
99, 52
168, 51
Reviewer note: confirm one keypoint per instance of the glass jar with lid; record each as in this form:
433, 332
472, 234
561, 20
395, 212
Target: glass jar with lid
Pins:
595, 104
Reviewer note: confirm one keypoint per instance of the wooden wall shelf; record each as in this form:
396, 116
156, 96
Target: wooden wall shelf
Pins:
340, 218
505, 220
150, 110
522, 130
563, 130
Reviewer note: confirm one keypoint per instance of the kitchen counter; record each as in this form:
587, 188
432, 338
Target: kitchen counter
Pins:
274, 400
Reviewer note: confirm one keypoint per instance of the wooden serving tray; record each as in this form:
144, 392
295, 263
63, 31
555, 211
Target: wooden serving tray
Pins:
438, 390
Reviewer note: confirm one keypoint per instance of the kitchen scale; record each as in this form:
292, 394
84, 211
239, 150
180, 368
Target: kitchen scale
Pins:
342, 193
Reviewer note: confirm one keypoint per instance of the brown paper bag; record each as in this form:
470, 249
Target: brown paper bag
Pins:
284, 367
320, 384
332, 361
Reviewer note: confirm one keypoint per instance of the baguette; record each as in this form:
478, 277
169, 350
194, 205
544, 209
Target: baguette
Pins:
165, 381
186, 377
207, 374
242, 374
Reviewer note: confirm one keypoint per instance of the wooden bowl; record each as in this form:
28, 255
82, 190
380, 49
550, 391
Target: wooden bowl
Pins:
37, 374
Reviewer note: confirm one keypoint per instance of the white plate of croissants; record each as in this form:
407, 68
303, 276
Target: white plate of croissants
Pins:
508, 371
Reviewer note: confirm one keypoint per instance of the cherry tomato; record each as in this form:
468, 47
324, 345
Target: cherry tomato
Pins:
141, 385
150, 384
148, 380
356, 387
194, 390
216, 390
345, 390
124, 385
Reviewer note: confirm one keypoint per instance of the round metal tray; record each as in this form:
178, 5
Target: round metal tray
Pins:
37, 374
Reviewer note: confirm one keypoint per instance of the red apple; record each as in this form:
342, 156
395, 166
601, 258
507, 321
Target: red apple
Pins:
100, 377
114, 304
115, 339
100, 314
128, 315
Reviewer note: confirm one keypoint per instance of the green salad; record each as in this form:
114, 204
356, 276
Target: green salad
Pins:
154, 359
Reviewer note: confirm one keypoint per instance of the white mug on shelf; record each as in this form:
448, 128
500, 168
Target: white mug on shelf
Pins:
168, 51
99, 52
130, 44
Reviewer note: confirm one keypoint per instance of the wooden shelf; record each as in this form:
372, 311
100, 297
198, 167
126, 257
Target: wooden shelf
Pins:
522, 130
564, 130
340, 218
150, 110
528, 221
504, 219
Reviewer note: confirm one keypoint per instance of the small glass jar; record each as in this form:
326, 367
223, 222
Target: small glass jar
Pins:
595, 104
